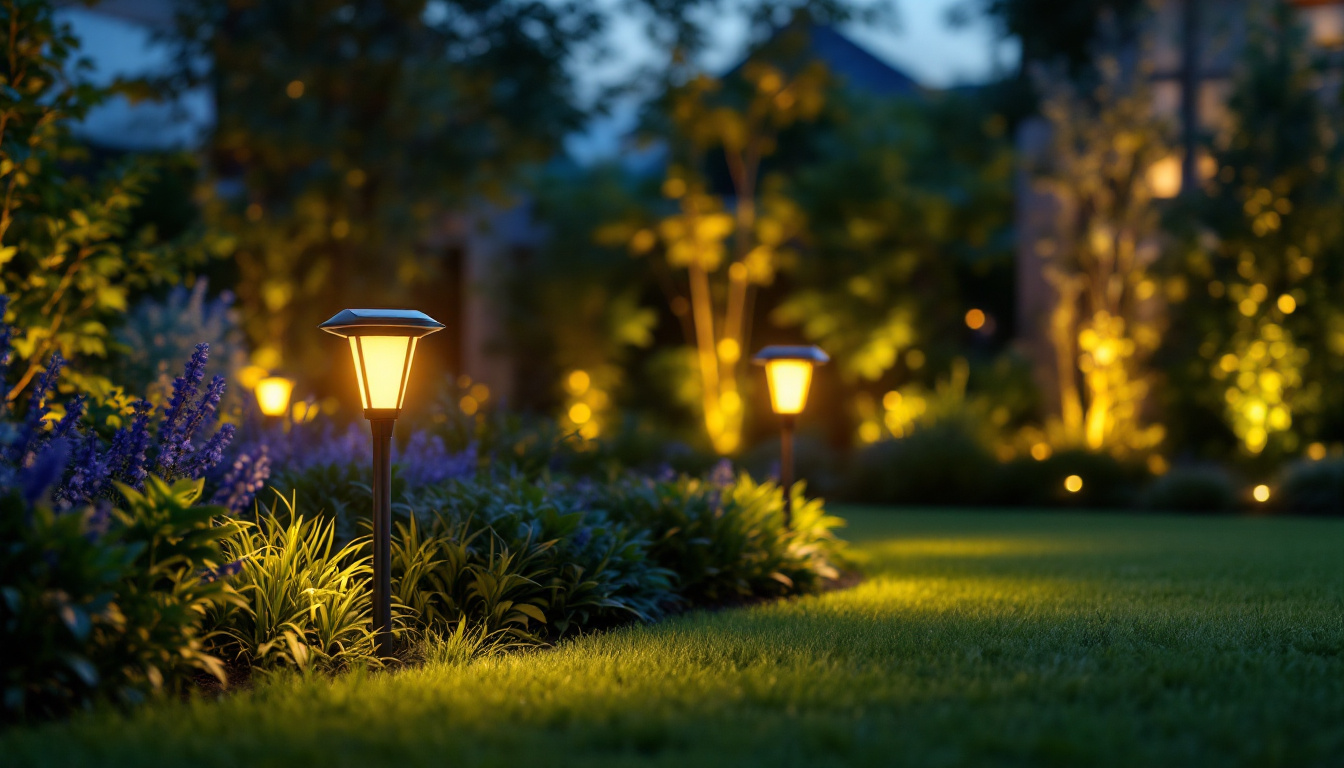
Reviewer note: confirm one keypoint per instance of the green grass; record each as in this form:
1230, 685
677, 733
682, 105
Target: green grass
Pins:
978, 638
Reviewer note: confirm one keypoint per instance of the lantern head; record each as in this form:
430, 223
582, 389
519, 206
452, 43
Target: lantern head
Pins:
382, 343
788, 371
273, 395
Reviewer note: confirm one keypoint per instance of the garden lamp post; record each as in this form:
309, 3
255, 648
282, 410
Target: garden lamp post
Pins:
273, 395
788, 371
382, 343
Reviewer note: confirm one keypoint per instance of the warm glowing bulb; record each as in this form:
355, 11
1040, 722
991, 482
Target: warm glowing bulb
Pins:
1040, 451
578, 382
1261, 493
975, 319
580, 413
1073, 483
1316, 451
382, 366
1164, 177
273, 395
789, 381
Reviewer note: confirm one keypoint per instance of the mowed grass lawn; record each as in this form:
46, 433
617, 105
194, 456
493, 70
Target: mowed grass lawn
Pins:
989, 638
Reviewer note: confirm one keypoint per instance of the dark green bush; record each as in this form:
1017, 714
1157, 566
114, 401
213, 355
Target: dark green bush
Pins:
1192, 489
107, 605
1312, 488
727, 542
942, 464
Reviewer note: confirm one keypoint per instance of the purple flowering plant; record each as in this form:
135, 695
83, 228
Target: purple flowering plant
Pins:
176, 444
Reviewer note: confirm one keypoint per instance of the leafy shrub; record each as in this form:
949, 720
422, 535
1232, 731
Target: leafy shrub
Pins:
1192, 489
305, 601
107, 604
942, 464
1312, 488
493, 551
727, 542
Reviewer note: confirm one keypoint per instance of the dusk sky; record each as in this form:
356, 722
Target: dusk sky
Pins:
922, 44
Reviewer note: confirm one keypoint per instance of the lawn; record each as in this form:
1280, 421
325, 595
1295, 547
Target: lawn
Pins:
978, 638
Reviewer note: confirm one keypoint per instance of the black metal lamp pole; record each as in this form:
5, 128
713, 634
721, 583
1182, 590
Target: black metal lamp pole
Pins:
788, 372
382, 532
382, 342
786, 423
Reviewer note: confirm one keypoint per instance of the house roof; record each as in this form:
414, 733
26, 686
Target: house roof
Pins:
852, 63
860, 68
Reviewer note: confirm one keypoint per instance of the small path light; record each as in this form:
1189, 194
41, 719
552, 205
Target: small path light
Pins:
273, 395
788, 371
382, 343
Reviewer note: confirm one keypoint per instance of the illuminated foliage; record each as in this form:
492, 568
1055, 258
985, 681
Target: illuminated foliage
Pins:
347, 132
728, 253
907, 212
71, 252
1256, 286
1098, 258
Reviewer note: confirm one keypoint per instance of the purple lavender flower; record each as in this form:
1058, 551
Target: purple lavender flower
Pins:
88, 475
247, 476
176, 414
45, 471
722, 475
201, 414
427, 461
130, 446
73, 413
30, 437
211, 453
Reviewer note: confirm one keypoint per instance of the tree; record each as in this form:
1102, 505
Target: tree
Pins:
1099, 257
71, 254
347, 132
1259, 329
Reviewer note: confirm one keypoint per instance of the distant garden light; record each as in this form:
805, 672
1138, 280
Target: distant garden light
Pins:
1073, 483
788, 372
1261, 493
382, 344
273, 394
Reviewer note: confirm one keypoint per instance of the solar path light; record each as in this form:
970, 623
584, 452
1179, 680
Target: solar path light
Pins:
382, 343
788, 371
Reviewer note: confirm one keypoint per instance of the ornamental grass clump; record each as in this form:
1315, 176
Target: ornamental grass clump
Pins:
305, 601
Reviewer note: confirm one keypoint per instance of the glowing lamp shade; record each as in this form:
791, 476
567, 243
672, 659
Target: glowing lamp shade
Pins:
273, 395
788, 372
382, 345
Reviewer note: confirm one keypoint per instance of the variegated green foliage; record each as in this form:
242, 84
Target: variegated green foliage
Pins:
305, 599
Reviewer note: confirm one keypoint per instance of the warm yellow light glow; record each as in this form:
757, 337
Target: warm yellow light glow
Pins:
578, 382
1073, 483
273, 395
1287, 304
469, 405
480, 392
382, 367
975, 319
1316, 451
1261, 493
580, 413
295, 89
1040, 451
729, 350
249, 375
870, 432
1164, 177
892, 400
789, 381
